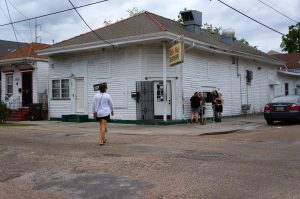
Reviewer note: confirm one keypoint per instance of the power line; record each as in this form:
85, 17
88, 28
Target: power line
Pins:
89, 26
278, 11
13, 29
17, 31
251, 18
53, 13
23, 16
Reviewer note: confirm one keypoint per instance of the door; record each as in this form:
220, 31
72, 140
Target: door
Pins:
144, 100
26, 88
159, 101
79, 95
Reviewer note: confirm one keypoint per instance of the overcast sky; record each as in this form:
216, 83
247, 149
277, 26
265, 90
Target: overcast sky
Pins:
66, 25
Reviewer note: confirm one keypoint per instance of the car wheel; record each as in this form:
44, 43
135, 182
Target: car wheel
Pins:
270, 122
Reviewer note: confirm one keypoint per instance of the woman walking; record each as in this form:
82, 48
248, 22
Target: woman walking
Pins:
102, 108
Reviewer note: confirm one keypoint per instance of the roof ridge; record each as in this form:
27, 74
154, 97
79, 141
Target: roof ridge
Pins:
160, 26
122, 20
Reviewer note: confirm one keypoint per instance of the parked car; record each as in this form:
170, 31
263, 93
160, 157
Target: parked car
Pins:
283, 108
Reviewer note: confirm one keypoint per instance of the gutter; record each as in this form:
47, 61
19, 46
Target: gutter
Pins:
21, 60
289, 73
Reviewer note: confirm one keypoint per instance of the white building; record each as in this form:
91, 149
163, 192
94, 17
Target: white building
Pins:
24, 75
131, 57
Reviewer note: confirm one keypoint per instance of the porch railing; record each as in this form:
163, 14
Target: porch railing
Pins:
14, 103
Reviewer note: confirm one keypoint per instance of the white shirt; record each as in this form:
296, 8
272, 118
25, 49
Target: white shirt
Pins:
102, 104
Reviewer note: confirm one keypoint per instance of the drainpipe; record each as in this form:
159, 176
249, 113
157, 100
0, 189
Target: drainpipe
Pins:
165, 80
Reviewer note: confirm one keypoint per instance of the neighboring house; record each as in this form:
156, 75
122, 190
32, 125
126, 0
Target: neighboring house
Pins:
24, 75
133, 68
289, 73
6, 47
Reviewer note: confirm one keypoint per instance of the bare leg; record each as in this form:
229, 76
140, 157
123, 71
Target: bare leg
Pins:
104, 139
99, 132
102, 130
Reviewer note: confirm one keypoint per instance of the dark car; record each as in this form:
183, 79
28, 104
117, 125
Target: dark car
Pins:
283, 108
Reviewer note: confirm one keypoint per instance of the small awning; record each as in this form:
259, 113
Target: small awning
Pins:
273, 82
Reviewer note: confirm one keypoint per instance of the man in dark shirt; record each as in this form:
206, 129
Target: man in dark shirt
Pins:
195, 106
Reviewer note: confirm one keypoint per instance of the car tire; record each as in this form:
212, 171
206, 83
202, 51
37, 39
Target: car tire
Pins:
270, 122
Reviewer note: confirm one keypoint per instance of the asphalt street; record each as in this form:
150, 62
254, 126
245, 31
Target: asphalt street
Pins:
63, 160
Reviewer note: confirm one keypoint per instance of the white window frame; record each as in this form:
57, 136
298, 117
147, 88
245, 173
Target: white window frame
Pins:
7, 84
60, 89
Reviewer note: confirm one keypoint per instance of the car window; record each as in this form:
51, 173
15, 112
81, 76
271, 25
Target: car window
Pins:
286, 99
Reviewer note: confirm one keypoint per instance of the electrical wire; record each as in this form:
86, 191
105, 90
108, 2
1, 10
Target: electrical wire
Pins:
17, 31
251, 18
277, 11
23, 16
13, 29
53, 13
89, 26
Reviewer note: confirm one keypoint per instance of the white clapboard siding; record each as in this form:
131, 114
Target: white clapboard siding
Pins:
59, 108
152, 70
124, 71
42, 72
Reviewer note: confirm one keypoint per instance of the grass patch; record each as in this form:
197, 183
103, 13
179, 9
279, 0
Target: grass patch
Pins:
16, 124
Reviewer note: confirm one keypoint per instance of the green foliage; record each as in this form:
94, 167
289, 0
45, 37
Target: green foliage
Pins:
4, 112
244, 41
291, 41
211, 28
134, 11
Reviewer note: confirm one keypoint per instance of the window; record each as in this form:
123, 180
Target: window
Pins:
60, 89
286, 88
9, 84
249, 77
208, 97
64, 88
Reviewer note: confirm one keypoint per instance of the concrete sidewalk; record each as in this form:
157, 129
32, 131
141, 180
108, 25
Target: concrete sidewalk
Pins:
228, 125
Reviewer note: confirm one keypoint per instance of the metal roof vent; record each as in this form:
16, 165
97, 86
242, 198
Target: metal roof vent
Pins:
192, 20
228, 36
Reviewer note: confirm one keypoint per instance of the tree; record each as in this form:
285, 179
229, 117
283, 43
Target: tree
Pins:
134, 11
244, 41
211, 28
291, 41
4, 112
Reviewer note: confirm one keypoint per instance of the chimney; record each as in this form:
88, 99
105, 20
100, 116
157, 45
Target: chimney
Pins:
228, 36
192, 20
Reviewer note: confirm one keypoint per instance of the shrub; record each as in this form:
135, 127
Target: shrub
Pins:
4, 112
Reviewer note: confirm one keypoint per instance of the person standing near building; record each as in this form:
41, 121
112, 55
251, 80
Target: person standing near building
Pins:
195, 106
202, 106
219, 102
102, 108
214, 95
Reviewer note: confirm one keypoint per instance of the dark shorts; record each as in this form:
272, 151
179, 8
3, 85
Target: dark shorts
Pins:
107, 118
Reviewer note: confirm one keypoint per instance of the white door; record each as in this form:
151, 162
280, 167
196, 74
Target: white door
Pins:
159, 98
79, 95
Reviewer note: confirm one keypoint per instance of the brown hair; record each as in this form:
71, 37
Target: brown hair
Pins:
102, 88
